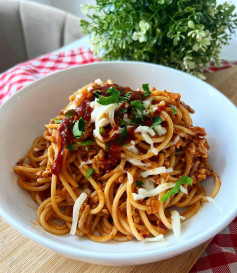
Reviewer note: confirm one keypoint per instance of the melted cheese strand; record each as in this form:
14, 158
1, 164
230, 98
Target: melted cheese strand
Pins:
85, 163
209, 199
156, 171
143, 193
176, 224
76, 209
137, 162
130, 178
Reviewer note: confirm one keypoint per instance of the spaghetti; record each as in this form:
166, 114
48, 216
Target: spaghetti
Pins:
117, 163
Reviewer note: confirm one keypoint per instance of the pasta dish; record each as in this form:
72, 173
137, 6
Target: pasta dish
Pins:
118, 164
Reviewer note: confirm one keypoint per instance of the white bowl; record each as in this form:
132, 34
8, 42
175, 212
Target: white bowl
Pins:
23, 116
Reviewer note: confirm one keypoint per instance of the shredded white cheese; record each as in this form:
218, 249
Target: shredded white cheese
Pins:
99, 82
99, 113
90, 87
85, 163
76, 209
159, 238
176, 140
125, 118
156, 171
176, 225
133, 148
87, 191
147, 103
130, 178
209, 199
101, 123
148, 184
160, 130
144, 193
150, 141
144, 129
137, 162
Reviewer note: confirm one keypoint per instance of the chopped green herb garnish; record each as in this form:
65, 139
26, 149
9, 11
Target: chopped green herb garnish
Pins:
150, 108
101, 130
113, 97
124, 135
139, 183
156, 121
122, 122
145, 87
174, 109
183, 180
89, 172
57, 120
137, 121
85, 142
138, 104
70, 147
78, 127
126, 97
97, 94
123, 111
69, 116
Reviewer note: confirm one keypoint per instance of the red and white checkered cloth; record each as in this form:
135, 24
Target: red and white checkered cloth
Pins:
24, 73
221, 255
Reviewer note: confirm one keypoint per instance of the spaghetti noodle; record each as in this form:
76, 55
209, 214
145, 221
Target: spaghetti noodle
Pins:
117, 163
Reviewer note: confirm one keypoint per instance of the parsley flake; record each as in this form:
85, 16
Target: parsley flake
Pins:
124, 135
101, 130
85, 142
89, 172
113, 97
126, 97
139, 183
78, 128
145, 87
70, 147
138, 104
183, 180
156, 121
137, 121
122, 122
57, 120
174, 109
97, 94
123, 111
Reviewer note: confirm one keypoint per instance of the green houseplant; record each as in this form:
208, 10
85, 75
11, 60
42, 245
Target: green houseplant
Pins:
185, 34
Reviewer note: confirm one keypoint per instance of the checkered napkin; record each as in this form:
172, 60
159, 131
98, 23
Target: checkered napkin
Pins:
221, 255
24, 73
